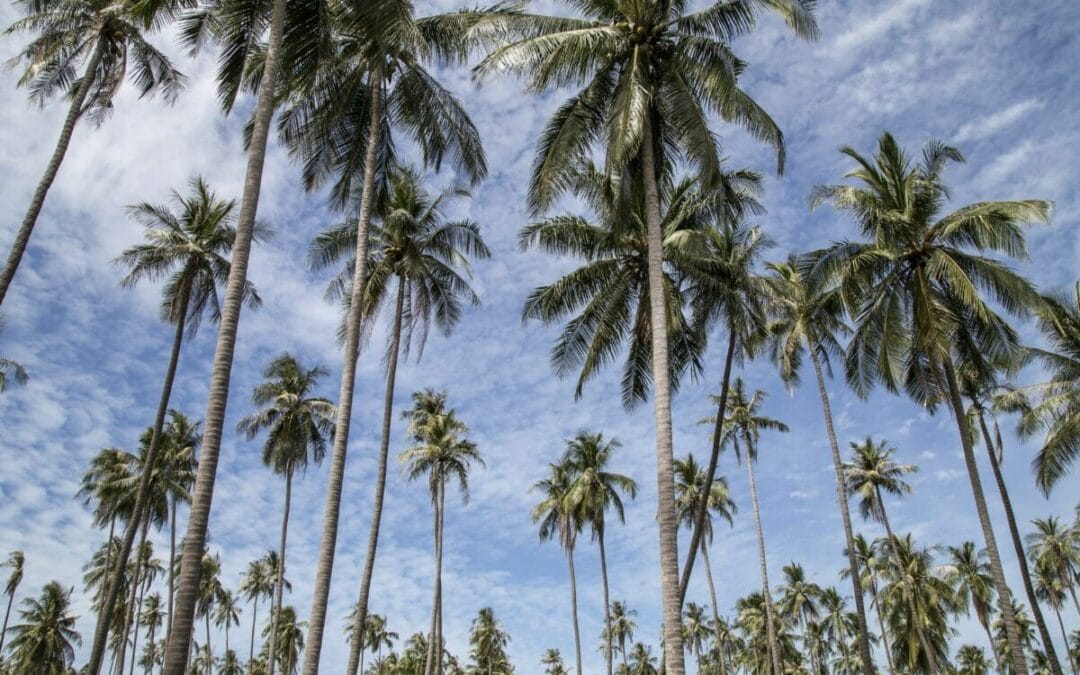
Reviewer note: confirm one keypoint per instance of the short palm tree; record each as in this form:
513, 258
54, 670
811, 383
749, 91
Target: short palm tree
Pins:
1057, 549
623, 626
553, 663
152, 616
799, 598
971, 660
642, 662
45, 640
297, 424
227, 613
916, 289
488, 641
969, 572
258, 582
16, 562
11, 369
440, 451
210, 590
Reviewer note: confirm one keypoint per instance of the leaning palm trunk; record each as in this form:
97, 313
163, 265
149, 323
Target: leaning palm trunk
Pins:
607, 602
172, 563
138, 621
573, 607
715, 606
7, 615
209, 653
130, 610
279, 581
1018, 547
667, 521
176, 652
22, 237
1016, 654
356, 651
845, 516
112, 588
325, 569
770, 628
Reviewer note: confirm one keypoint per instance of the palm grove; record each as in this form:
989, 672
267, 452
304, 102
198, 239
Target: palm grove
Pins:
918, 300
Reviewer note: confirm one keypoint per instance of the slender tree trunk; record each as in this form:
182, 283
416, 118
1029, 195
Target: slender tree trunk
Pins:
993, 648
710, 471
22, 237
1018, 548
607, 600
209, 652
226, 637
112, 588
1072, 592
135, 584
176, 654
845, 517
254, 614
715, 605
884, 633
622, 648
325, 568
279, 581
770, 628
1016, 653
1064, 637
436, 592
138, 621
573, 607
7, 615
150, 663
439, 617
667, 521
356, 651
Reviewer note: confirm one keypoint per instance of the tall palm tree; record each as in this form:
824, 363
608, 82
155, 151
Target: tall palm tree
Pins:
969, 572
1057, 549
559, 521
594, 492
16, 562
109, 41
1051, 589
227, 613
290, 642
650, 72
916, 286
695, 630
297, 424
488, 642
152, 616
414, 245
622, 627
837, 624
258, 582
799, 598
10, 369
178, 467
440, 451
45, 640
807, 318
553, 663
743, 428
971, 660
376, 635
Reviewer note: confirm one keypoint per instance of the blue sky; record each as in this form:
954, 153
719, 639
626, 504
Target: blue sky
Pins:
998, 79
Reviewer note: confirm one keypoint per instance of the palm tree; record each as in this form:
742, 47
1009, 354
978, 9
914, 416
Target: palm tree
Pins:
642, 662
441, 452
969, 572
376, 636
594, 491
837, 624
150, 567
971, 660
16, 561
210, 590
650, 73
553, 663
695, 630
559, 521
177, 466
1057, 549
10, 369
110, 42
296, 425
258, 582
290, 642
1050, 589
799, 598
227, 613
230, 664
743, 428
1028, 642
488, 642
413, 244
622, 627
152, 615
45, 640
915, 292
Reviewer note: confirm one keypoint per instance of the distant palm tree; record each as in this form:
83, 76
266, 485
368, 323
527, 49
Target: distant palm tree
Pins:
258, 582
178, 466
152, 616
622, 627
971, 660
839, 625
10, 369
1028, 642
45, 640
1057, 549
488, 642
290, 642
16, 562
695, 630
227, 613
230, 664
799, 598
1050, 589
297, 425
210, 590
553, 663
969, 572
642, 662
376, 635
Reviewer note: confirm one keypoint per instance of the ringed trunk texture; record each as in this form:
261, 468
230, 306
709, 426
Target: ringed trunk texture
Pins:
667, 521
176, 653
607, 600
845, 516
279, 581
112, 588
325, 567
931, 657
1016, 653
573, 608
774, 652
22, 237
356, 651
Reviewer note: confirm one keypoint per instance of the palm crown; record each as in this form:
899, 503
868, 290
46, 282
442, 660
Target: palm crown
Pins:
873, 471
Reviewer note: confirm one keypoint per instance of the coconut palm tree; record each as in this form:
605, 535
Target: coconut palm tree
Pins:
1028, 642
45, 640
755, 655
969, 572
622, 627
596, 490
177, 466
837, 623
650, 74
440, 451
1057, 549
642, 662
799, 598
230, 664
559, 521
742, 429
109, 41
10, 369
290, 641
227, 613
258, 582
553, 663
210, 590
1051, 589
16, 562
488, 642
151, 615
971, 660
414, 245
376, 636
297, 425
915, 287
696, 630
150, 567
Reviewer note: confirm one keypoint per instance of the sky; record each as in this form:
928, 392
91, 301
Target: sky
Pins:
996, 78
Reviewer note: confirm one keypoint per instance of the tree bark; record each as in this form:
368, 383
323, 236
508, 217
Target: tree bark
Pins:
176, 654
845, 516
1016, 654
607, 600
573, 607
7, 615
770, 628
439, 617
436, 591
136, 582
667, 520
993, 648
279, 581
254, 614
209, 652
1064, 637
356, 651
715, 605
884, 634
325, 568
172, 563
138, 622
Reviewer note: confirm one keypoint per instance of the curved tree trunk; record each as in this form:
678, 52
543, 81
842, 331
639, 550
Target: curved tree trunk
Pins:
993, 648
770, 628
22, 237
1018, 548
715, 605
112, 588
136, 582
279, 581
607, 600
356, 651
1016, 653
667, 521
573, 607
325, 568
176, 653
845, 516
254, 614
436, 591
7, 615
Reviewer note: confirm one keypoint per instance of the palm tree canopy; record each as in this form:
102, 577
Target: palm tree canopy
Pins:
689, 488
45, 640
440, 450
16, 562
744, 423
595, 490
872, 471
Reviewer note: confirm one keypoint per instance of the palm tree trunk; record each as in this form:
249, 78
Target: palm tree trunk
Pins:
112, 589
7, 615
254, 614
325, 568
667, 521
226, 637
607, 601
573, 607
993, 647
845, 517
138, 621
884, 634
172, 563
22, 237
429, 661
209, 653
622, 648
710, 471
1016, 653
356, 651
438, 571
135, 584
715, 605
176, 654
150, 663
279, 582
1064, 636
774, 651
1018, 548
